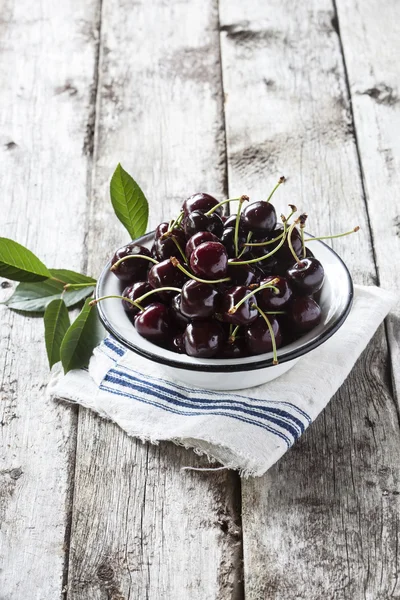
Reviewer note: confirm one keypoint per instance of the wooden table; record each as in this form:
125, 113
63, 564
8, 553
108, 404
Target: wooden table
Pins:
222, 97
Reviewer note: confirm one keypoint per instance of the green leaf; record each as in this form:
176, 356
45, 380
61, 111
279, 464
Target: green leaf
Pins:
71, 276
35, 297
129, 203
56, 324
83, 335
19, 263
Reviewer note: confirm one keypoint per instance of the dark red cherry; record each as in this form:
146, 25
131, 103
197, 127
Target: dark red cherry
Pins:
228, 240
209, 260
166, 275
269, 299
176, 315
165, 247
284, 254
309, 254
240, 274
235, 349
200, 201
307, 276
267, 266
198, 300
132, 269
153, 323
304, 314
203, 339
134, 292
197, 239
177, 344
161, 229
197, 221
258, 337
231, 222
245, 314
259, 217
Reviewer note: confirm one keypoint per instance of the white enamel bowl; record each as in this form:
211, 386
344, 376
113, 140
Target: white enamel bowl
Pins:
237, 373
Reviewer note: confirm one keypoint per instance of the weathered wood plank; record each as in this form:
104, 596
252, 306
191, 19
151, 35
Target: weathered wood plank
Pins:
47, 60
323, 522
371, 44
141, 527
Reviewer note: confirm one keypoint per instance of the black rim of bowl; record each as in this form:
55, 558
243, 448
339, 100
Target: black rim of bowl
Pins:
229, 368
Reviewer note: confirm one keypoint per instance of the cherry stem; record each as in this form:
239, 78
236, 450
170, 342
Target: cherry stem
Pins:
121, 260
267, 243
76, 286
178, 265
270, 285
331, 237
216, 207
156, 290
281, 180
233, 334
177, 221
271, 332
133, 302
179, 248
249, 236
289, 237
237, 222
303, 219
293, 210
259, 259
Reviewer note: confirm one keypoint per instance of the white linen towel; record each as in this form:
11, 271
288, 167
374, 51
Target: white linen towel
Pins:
248, 431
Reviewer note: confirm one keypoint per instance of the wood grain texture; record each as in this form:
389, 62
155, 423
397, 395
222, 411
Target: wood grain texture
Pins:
142, 528
47, 58
371, 44
323, 523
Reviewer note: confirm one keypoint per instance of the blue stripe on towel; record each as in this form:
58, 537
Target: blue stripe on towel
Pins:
277, 416
191, 413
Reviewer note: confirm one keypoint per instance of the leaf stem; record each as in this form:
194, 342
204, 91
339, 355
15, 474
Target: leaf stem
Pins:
271, 332
178, 265
76, 286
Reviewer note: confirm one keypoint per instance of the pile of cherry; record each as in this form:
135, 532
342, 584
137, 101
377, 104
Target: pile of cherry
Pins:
226, 287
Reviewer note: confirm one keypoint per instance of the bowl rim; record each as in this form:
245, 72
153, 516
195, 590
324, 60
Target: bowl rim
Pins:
229, 368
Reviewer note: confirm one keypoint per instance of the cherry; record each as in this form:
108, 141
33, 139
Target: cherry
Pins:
197, 221
231, 222
304, 314
203, 339
197, 239
246, 313
176, 314
153, 323
234, 348
199, 202
177, 344
268, 299
134, 292
165, 247
284, 254
306, 276
161, 229
132, 269
209, 260
198, 300
258, 336
228, 240
241, 274
166, 275
259, 217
